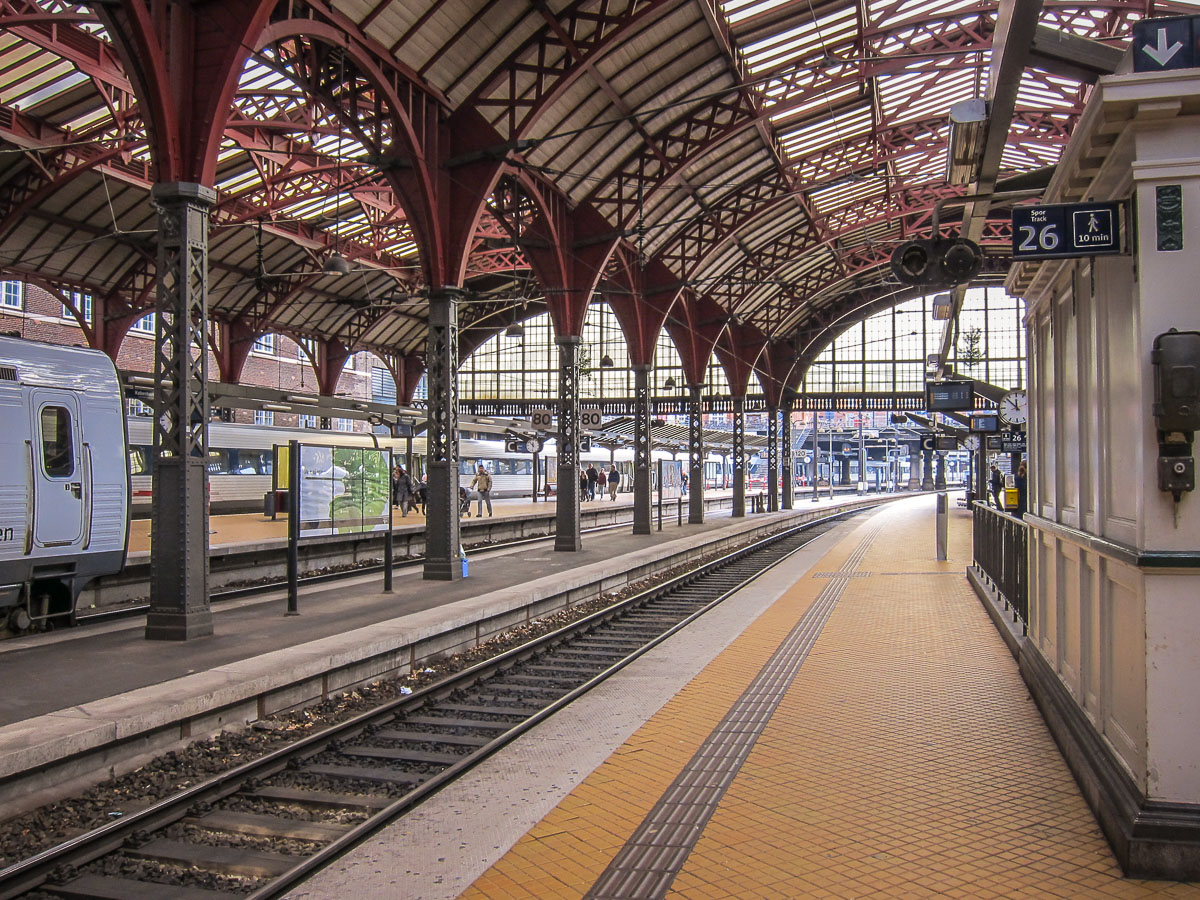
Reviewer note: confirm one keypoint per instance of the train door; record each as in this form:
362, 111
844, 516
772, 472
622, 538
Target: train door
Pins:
57, 469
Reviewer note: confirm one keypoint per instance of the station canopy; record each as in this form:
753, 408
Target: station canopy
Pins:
764, 157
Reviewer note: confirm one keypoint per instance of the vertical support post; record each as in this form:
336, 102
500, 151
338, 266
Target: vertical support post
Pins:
293, 552
773, 460
927, 470
695, 457
785, 439
389, 549
443, 561
566, 517
939, 481
641, 449
914, 468
739, 457
179, 606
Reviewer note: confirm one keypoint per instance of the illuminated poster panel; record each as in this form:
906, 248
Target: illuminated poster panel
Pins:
343, 490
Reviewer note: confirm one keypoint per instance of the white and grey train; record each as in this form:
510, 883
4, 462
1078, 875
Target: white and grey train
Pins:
64, 501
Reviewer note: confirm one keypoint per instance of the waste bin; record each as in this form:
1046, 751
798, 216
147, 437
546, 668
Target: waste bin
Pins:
1010, 498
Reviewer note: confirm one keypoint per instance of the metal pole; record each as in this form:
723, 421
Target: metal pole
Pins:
388, 548
443, 559
567, 532
293, 557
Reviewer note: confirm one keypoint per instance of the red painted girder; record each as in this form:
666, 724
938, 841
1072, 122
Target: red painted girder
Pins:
737, 350
642, 300
571, 44
184, 62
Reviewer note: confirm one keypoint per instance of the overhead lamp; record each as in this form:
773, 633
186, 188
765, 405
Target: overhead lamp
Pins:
669, 384
336, 264
606, 362
515, 330
968, 120
274, 407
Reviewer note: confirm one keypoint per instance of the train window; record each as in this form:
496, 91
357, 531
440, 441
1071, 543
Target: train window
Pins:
218, 462
58, 453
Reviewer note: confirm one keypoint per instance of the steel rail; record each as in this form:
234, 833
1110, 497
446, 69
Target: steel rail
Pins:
52, 863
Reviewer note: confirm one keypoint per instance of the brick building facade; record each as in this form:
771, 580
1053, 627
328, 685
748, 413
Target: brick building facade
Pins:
28, 311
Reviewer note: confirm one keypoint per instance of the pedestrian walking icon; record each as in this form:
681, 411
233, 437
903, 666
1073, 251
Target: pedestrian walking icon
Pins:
1093, 228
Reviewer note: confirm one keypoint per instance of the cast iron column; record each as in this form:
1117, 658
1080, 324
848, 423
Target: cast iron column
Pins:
772, 460
940, 478
914, 468
927, 470
642, 501
739, 457
566, 536
695, 457
785, 439
443, 557
179, 607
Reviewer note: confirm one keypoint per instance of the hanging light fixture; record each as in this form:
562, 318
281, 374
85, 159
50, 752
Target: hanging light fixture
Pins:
515, 330
669, 384
606, 362
336, 264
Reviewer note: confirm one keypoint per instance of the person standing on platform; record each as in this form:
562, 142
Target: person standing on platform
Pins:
592, 476
402, 490
1021, 481
583, 485
997, 484
482, 482
614, 482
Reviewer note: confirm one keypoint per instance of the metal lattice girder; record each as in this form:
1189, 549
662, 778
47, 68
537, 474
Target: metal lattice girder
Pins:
696, 454
739, 457
773, 459
443, 549
642, 501
567, 522
788, 477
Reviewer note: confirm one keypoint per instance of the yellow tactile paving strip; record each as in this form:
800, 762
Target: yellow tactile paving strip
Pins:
907, 759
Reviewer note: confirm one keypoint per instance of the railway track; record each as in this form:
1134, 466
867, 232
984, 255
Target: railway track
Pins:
265, 826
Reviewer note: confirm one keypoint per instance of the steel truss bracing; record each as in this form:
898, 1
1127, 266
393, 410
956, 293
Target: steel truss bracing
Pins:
179, 607
443, 550
739, 457
695, 457
788, 474
642, 501
567, 523
773, 460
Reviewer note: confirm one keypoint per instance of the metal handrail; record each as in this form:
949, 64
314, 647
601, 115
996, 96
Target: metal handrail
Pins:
1001, 553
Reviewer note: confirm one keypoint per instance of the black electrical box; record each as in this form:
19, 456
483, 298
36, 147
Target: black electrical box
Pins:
1176, 359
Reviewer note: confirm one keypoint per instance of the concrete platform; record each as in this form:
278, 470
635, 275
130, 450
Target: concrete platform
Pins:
884, 746
115, 698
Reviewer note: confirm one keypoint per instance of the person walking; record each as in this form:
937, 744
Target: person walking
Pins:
997, 484
402, 490
482, 482
614, 482
592, 476
583, 484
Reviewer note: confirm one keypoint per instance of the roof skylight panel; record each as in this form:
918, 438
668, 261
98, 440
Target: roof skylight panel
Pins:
804, 41
835, 129
737, 10
851, 191
823, 100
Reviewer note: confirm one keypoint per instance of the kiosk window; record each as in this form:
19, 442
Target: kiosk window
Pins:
57, 455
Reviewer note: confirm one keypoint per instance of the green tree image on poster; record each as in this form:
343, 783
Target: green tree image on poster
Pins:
343, 490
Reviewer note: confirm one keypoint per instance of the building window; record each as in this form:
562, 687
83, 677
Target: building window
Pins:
307, 421
265, 344
144, 325
343, 424
264, 417
12, 294
383, 386
136, 407
83, 303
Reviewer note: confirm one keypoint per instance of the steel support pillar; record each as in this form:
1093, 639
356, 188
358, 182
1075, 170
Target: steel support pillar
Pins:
567, 531
443, 547
773, 460
939, 480
927, 470
914, 469
642, 501
695, 457
739, 457
179, 607
785, 440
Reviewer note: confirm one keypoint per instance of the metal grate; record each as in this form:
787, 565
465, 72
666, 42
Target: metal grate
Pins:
8, 373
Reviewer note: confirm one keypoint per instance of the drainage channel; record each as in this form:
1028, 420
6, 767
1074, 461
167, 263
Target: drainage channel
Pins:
264, 827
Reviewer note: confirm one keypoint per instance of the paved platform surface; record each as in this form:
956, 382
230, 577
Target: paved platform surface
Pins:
99, 661
877, 742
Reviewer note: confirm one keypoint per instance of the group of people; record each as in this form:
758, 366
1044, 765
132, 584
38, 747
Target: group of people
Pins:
996, 488
593, 481
407, 493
